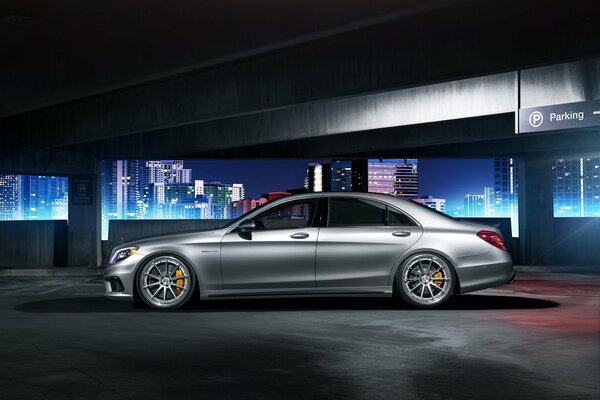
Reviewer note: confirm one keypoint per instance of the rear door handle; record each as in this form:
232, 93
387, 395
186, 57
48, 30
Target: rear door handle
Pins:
299, 235
401, 233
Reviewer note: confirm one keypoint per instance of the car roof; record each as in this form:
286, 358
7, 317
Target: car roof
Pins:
422, 214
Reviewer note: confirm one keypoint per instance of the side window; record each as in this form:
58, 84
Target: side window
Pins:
287, 216
398, 218
356, 212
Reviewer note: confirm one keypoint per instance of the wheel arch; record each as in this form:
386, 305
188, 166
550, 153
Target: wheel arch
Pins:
409, 254
161, 253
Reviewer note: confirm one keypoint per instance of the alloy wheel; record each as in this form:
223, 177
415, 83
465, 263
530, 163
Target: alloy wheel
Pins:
425, 280
166, 282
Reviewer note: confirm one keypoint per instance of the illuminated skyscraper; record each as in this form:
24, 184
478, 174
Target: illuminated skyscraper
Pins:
474, 205
123, 192
25, 197
168, 171
45, 197
576, 187
10, 198
489, 201
318, 177
341, 176
506, 202
237, 192
221, 195
398, 177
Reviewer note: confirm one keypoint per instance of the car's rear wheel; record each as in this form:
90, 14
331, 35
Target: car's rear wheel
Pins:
166, 282
425, 280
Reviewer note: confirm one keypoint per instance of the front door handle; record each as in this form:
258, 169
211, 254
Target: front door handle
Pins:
401, 233
299, 235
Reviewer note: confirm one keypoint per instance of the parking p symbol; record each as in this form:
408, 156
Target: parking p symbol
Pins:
535, 119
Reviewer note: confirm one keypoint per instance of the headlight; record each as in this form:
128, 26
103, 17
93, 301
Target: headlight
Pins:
122, 254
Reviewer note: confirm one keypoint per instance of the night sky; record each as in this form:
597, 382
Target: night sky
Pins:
446, 178
451, 179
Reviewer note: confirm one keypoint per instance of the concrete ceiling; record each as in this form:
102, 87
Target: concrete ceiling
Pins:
116, 79
59, 50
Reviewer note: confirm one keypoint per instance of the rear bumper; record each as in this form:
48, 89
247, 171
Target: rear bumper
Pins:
512, 278
485, 275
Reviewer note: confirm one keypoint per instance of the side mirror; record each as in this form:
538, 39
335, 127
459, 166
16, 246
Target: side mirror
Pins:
247, 226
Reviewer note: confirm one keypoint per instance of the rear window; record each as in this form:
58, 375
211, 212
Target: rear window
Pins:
364, 212
356, 212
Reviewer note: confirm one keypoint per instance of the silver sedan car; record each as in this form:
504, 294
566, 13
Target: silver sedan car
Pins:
317, 244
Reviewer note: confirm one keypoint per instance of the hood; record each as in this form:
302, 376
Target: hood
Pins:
178, 237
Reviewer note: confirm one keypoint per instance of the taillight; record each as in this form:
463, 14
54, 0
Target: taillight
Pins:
492, 238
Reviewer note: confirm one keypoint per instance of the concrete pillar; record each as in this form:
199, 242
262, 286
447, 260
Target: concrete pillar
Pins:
536, 218
84, 221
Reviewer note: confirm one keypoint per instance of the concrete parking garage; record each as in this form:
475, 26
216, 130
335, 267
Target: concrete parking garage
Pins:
81, 83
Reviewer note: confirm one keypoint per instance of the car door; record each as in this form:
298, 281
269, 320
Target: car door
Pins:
362, 242
279, 252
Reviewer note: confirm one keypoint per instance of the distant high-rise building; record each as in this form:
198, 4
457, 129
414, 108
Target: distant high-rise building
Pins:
124, 194
318, 177
221, 195
432, 202
33, 197
398, 177
576, 186
506, 191
122, 189
474, 205
133, 189
341, 176
489, 201
10, 198
179, 201
337, 176
45, 197
198, 187
168, 171
237, 192
360, 175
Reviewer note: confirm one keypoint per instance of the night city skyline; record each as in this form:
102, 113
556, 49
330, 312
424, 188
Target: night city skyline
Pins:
222, 189
459, 187
474, 175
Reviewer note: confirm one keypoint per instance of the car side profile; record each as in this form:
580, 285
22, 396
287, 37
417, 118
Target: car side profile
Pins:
315, 244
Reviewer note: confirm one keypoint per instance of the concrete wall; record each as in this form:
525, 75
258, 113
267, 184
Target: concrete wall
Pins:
577, 241
33, 243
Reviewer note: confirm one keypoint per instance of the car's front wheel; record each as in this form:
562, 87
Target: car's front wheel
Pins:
425, 280
166, 282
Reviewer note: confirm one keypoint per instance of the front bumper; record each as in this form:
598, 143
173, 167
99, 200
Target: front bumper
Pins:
119, 278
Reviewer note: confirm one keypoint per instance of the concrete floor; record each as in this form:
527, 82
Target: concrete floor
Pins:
535, 339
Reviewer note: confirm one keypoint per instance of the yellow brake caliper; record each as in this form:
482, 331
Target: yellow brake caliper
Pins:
178, 282
436, 276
